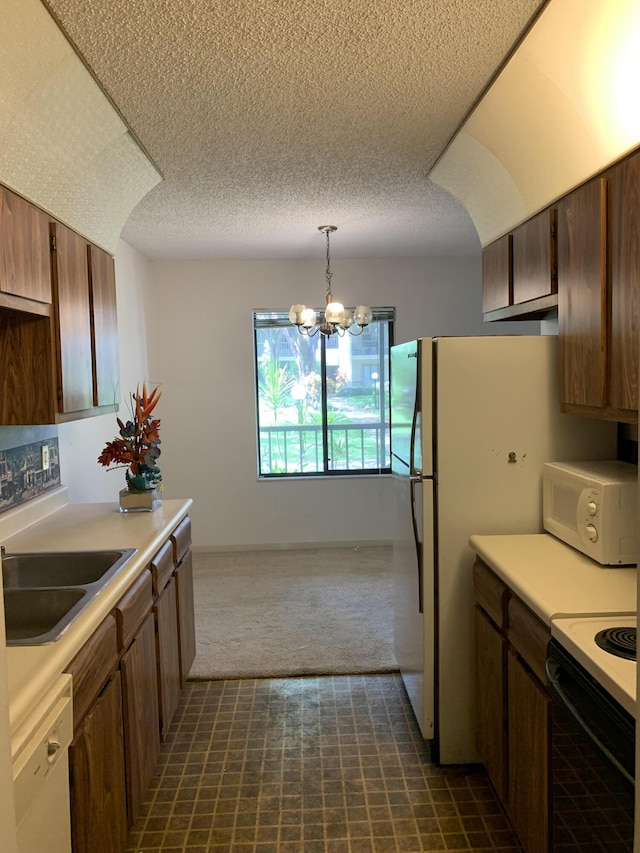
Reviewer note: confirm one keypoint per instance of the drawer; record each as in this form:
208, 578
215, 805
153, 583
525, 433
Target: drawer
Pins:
91, 667
162, 566
132, 608
490, 593
181, 538
529, 636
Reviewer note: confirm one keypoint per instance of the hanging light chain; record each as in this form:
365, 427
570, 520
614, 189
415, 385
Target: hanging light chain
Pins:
328, 274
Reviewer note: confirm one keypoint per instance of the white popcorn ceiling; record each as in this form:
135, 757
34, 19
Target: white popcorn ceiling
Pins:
271, 117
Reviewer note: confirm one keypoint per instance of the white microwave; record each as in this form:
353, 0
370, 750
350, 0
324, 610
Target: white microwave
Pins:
592, 507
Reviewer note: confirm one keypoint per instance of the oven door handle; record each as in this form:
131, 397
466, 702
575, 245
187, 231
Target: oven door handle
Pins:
552, 669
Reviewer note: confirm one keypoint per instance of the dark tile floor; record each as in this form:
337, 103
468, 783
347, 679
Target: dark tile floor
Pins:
310, 765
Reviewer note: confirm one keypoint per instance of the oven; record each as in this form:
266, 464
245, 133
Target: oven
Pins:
592, 739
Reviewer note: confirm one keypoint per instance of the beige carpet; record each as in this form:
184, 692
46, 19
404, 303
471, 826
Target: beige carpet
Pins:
299, 612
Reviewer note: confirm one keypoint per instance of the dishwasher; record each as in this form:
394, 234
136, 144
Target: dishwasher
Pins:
40, 761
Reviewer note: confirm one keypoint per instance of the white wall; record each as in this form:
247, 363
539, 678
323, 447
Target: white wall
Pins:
201, 348
81, 442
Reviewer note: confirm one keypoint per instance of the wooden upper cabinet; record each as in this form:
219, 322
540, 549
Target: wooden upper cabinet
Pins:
624, 224
71, 289
104, 327
519, 271
24, 249
497, 280
582, 291
58, 320
534, 257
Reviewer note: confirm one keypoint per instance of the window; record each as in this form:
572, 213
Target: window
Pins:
322, 403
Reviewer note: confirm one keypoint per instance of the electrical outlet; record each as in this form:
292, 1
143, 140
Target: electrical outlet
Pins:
44, 457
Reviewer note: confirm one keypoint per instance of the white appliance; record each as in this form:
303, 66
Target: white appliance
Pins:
40, 758
577, 634
472, 422
592, 507
591, 677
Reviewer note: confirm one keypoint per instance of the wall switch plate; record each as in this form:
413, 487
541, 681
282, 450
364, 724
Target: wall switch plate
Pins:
44, 457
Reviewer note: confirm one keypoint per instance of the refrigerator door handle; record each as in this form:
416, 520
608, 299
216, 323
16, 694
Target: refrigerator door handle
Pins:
413, 482
414, 431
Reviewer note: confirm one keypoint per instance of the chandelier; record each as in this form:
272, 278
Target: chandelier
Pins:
337, 318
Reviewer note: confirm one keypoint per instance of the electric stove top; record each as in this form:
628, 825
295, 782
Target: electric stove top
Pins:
615, 673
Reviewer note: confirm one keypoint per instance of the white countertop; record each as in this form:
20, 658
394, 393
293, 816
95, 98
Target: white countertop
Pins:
33, 669
554, 579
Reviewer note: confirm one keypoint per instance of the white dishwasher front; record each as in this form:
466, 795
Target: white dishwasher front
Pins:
40, 759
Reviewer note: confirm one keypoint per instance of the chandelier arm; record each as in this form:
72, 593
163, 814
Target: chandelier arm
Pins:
306, 332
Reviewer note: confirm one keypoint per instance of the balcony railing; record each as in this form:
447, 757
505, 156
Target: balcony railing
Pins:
297, 449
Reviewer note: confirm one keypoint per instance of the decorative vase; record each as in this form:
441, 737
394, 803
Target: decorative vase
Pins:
146, 500
142, 493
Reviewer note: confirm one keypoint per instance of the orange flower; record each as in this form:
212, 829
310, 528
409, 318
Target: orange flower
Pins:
138, 445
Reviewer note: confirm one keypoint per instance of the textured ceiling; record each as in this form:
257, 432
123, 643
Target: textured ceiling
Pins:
271, 117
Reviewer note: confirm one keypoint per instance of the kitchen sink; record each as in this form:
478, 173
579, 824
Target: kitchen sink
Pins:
36, 616
72, 568
45, 592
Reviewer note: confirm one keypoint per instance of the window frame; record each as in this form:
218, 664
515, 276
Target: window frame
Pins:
268, 318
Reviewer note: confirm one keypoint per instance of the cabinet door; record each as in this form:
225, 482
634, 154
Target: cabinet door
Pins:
582, 314
28, 375
25, 267
186, 616
491, 701
141, 714
624, 210
168, 650
96, 760
529, 746
71, 291
497, 281
534, 257
104, 327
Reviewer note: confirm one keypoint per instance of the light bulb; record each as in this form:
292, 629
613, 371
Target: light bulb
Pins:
295, 314
334, 312
347, 320
363, 315
308, 318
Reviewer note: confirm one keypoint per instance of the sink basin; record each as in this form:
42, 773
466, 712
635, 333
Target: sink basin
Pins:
72, 568
35, 616
45, 592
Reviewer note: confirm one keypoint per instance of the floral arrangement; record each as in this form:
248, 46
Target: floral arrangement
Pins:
137, 447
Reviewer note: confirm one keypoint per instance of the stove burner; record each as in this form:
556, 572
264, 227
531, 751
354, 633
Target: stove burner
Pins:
618, 641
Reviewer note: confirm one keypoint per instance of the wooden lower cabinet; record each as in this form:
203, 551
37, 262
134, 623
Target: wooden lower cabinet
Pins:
529, 745
141, 714
491, 702
126, 688
168, 651
186, 616
97, 773
513, 707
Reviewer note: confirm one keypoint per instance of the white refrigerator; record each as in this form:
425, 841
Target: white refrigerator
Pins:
472, 421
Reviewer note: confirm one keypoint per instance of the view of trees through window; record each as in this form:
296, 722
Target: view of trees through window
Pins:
323, 402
